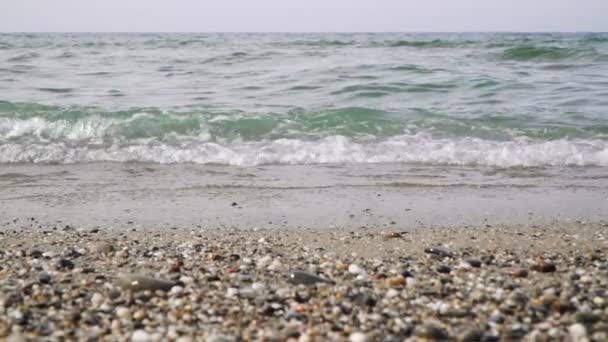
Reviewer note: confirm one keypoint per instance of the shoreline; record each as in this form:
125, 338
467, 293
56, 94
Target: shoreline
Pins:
508, 282
385, 196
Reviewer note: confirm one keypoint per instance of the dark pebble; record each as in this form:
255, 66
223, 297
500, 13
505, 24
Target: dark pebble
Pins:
36, 254
306, 278
439, 252
544, 267
44, 278
587, 318
65, 264
444, 269
474, 262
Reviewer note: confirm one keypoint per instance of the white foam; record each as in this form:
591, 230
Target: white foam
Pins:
413, 148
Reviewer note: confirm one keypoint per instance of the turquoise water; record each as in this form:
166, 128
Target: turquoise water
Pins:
499, 100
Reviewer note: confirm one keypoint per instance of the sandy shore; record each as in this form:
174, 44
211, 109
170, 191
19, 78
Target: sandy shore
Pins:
489, 283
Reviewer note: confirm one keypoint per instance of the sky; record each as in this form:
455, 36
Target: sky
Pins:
302, 15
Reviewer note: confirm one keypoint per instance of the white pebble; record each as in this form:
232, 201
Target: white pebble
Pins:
176, 290
275, 265
123, 313
187, 280
259, 287
141, 336
357, 337
97, 299
391, 293
578, 333
355, 269
232, 292
184, 339
16, 337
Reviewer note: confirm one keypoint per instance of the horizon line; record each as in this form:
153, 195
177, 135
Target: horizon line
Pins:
303, 32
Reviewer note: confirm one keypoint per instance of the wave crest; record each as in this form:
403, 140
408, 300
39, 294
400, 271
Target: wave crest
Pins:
418, 148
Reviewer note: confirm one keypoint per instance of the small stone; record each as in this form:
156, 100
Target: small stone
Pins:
137, 283
306, 278
516, 272
97, 299
398, 281
364, 299
587, 318
258, 287
176, 291
139, 315
474, 262
471, 335
185, 339
392, 293
122, 312
444, 269
439, 252
141, 336
431, 331
562, 306
64, 264
103, 247
44, 278
16, 337
543, 267
358, 337
599, 301
392, 235
355, 269
578, 332
232, 292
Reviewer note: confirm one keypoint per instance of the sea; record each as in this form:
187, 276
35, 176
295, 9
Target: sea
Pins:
310, 112
487, 99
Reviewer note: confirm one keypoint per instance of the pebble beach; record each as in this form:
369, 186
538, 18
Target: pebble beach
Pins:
491, 283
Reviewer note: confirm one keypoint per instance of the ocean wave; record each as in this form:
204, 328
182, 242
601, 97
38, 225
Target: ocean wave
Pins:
24, 57
435, 43
417, 149
546, 53
318, 43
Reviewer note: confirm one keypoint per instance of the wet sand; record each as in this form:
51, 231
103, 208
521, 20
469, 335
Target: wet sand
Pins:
113, 195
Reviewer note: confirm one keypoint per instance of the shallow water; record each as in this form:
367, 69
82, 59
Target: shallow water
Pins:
475, 100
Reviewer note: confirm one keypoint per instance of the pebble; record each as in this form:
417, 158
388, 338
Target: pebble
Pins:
97, 299
16, 337
141, 336
65, 264
103, 247
587, 318
471, 335
474, 262
398, 281
358, 337
44, 278
258, 286
138, 283
444, 269
431, 331
122, 312
544, 267
306, 278
516, 272
355, 269
578, 333
439, 252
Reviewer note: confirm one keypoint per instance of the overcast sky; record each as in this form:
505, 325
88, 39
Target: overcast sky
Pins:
303, 15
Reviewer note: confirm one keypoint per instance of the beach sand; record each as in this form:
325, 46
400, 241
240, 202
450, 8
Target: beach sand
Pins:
487, 283
389, 253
